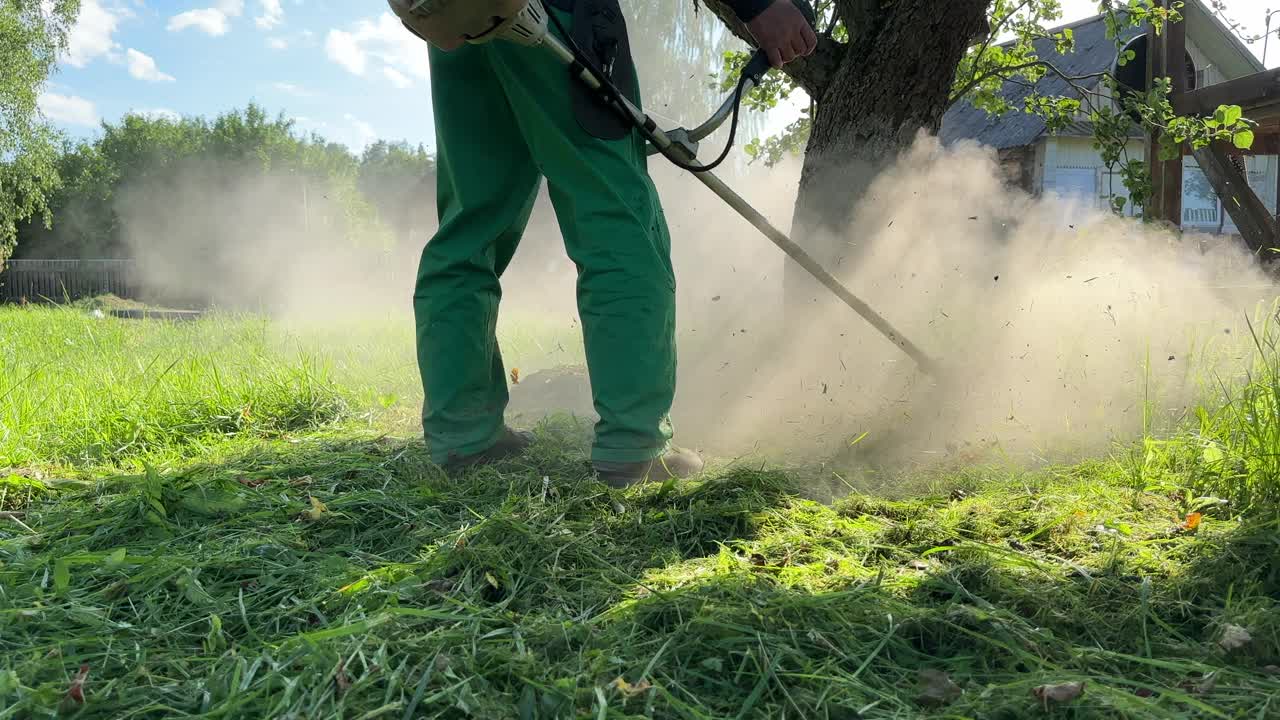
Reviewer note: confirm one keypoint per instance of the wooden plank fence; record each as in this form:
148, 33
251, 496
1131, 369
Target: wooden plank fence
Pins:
45, 281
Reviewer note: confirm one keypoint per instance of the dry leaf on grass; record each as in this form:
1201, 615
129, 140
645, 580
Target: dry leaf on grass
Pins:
343, 682
630, 690
1203, 686
936, 689
318, 509
1234, 637
75, 694
1059, 693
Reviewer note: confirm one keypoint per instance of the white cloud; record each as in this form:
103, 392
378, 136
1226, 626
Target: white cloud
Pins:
397, 78
272, 14
91, 36
159, 114
302, 122
354, 132
68, 109
385, 41
212, 21
344, 49
364, 132
276, 43
291, 89
143, 67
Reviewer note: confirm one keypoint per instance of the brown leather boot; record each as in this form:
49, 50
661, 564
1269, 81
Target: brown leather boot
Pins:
510, 444
675, 463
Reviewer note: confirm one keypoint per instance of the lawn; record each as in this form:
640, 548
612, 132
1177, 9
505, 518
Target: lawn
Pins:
229, 518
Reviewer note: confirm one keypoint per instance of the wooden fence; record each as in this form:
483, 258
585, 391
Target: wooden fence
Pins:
44, 281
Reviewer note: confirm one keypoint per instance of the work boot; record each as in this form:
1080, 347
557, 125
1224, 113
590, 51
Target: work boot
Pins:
675, 463
510, 444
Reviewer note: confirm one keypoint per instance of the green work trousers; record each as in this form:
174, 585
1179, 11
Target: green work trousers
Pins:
504, 120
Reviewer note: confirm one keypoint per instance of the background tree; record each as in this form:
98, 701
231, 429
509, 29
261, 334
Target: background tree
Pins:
399, 180
144, 160
32, 34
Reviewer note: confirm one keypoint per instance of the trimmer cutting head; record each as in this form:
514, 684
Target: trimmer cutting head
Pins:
447, 24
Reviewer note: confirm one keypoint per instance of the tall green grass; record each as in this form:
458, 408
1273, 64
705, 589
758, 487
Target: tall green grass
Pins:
1238, 441
81, 389
1225, 448
75, 388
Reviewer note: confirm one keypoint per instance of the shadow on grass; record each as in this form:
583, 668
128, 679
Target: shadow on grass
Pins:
352, 578
788, 628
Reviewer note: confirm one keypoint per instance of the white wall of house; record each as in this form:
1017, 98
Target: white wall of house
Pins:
1207, 72
1073, 169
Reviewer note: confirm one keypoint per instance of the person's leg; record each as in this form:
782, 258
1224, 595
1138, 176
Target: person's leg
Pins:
615, 232
486, 189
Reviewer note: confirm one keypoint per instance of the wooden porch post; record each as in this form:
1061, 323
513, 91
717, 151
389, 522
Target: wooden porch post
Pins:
1252, 219
1166, 53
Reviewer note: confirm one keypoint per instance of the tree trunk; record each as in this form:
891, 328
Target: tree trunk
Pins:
894, 80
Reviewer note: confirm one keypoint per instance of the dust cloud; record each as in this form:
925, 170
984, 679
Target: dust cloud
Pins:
229, 235
1062, 328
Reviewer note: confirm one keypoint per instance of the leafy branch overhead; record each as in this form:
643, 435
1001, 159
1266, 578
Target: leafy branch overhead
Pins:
1007, 53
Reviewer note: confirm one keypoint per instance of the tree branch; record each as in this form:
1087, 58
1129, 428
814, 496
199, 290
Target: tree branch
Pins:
1071, 80
986, 43
858, 17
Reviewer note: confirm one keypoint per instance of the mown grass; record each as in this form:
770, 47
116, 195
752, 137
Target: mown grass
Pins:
313, 566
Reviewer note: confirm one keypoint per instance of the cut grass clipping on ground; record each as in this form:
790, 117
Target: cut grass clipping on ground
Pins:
326, 570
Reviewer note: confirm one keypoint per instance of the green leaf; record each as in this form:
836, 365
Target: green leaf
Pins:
215, 640
61, 576
1243, 139
527, 707
667, 486
1232, 114
115, 559
8, 682
210, 502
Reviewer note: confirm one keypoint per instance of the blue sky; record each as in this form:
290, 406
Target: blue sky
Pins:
343, 68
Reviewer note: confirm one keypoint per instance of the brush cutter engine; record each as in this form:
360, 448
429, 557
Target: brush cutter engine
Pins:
443, 22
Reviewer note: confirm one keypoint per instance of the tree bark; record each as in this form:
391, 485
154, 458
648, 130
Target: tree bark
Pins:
893, 81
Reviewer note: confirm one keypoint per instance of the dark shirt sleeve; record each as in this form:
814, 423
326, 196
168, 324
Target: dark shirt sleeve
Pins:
747, 10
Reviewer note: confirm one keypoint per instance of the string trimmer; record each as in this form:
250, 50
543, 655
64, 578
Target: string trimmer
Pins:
526, 22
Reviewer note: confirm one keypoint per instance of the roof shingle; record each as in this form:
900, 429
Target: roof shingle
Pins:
1094, 52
